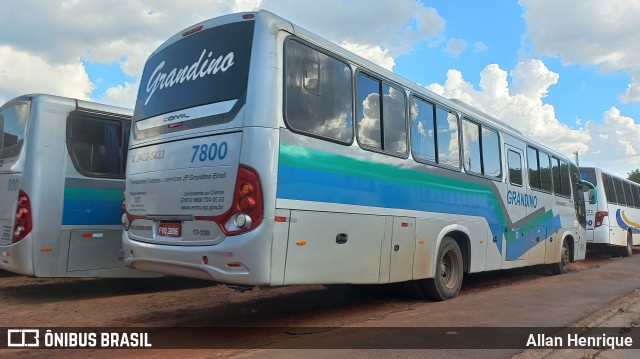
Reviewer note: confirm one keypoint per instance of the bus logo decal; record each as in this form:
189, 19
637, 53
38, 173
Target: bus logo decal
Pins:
176, 117
522, 199
160, 80
625, 223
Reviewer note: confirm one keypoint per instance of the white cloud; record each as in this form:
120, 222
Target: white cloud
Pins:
377, 30
589, 32
616, 143
50, 39
456, 47
121, 95
632, 94
127, 31
613, 144
393, 25
372, 53
22, 73
520, 104
480, 47
532, 79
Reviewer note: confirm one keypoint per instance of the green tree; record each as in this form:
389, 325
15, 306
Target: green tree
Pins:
634, 176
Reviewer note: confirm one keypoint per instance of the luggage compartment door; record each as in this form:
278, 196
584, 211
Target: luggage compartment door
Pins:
95, 249
330, 248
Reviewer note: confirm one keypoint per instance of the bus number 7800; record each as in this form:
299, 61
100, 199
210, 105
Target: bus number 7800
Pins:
210, 152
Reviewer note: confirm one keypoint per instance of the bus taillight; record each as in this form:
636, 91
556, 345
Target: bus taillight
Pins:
126, 221
24, 222
600, 217
124, 202
247, 209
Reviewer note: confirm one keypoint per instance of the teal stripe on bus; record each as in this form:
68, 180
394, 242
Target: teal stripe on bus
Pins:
92, 206
313, 175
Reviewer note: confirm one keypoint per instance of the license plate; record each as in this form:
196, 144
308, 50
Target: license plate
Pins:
168, 229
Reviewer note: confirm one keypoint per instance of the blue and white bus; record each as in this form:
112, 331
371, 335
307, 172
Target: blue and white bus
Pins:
613, 217
62, 165
262, 154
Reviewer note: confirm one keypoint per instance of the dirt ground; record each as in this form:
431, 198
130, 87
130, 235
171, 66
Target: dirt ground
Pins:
180, 302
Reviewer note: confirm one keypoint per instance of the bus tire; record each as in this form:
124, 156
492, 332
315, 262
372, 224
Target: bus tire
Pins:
447, 278
627, 250
565, 258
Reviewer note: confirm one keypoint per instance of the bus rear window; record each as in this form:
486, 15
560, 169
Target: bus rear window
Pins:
13, 124
206, 72
589, 176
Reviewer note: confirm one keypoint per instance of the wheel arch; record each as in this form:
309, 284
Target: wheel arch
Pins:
461, 235
572, 247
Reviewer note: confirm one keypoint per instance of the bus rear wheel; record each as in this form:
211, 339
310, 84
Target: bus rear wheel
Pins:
565, 258
627, 250
447, 278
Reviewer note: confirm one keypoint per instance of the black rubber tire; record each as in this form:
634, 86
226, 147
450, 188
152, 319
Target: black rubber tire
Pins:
565, 258
627, 251
447, 279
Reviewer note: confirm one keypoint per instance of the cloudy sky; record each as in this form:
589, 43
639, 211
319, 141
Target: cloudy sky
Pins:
564, 72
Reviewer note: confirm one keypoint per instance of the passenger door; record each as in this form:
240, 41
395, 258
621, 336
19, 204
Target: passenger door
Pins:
517, 241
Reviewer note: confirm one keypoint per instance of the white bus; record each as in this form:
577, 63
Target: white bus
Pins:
62, 165
613, 218
262, 154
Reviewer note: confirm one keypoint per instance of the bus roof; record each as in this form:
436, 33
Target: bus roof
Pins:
79, 104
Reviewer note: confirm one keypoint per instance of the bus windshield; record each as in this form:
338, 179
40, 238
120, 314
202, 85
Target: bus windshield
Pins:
206, 71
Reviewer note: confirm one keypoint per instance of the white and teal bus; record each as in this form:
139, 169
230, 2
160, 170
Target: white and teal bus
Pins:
262, 154
62, 165
613, 218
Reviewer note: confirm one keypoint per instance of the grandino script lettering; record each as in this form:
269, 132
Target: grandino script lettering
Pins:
205, 66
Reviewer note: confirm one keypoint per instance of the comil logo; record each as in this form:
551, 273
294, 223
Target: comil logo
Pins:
23, 338
182, 116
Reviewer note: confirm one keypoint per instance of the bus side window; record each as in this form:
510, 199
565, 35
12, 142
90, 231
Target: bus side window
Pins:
619, 192
491, 165
610, 190
447, 133
95, 145
515, 168
629, 195
480, 149
555, 172
636, 194
565, 179
368, 112
381, 116
471, 146
318, 93
545, 171
534, 168
423, 146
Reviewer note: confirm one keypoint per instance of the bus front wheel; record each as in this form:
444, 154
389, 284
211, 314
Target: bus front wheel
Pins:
447, 278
